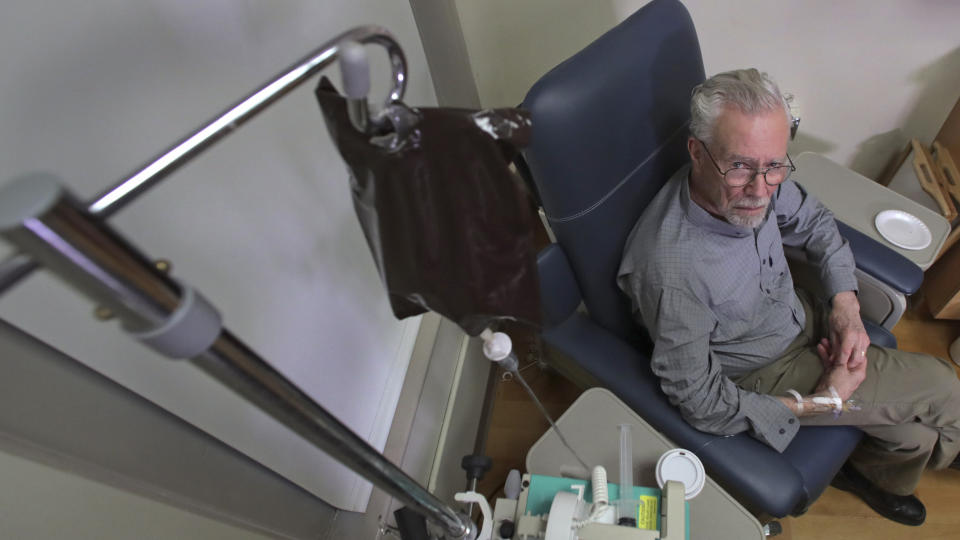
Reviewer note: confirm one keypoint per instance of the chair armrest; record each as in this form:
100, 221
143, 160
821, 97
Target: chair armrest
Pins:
559, 292
882, 262
879, 335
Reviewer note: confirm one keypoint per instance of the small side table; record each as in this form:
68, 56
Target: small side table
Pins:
856, 200
590, 426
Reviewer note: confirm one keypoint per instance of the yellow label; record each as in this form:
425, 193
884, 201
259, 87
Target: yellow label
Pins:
647, 512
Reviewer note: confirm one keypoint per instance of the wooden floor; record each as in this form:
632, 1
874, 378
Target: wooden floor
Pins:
516, 425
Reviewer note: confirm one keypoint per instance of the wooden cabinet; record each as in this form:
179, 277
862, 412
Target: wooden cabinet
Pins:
941, 284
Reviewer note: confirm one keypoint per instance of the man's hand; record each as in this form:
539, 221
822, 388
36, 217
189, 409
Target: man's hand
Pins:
847, 346
843, 379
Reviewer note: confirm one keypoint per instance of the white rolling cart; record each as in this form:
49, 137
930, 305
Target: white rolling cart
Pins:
590, 426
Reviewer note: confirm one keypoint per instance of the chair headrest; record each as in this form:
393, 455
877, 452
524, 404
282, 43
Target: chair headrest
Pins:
609, 128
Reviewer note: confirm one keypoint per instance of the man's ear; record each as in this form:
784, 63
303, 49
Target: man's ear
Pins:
695, 149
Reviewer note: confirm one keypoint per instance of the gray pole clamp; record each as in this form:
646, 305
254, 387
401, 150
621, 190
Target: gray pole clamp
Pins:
189, 331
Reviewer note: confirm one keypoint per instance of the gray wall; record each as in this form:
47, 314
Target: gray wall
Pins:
44, 502
83, 457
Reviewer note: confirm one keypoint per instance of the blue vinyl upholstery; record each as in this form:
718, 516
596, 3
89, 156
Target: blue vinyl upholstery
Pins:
609, 128
608, 132
882, 262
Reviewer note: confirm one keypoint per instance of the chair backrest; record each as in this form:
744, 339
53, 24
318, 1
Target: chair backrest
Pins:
609, 128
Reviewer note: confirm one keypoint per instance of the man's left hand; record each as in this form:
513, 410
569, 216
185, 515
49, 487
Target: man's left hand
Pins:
848, 337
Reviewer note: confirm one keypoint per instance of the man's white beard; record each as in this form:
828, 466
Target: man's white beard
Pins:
747, 221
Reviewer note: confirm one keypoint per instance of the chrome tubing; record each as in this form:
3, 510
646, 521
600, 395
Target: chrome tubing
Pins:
39, 217
43, 220
113, 199
15, 268
236, 115
243, 371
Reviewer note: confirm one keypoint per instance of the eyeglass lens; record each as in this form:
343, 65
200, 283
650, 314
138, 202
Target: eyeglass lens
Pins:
742, 177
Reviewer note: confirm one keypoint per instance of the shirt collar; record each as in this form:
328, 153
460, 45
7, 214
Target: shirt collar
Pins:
701, 218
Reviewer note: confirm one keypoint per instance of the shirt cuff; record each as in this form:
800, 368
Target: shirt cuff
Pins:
834, 284
778, 426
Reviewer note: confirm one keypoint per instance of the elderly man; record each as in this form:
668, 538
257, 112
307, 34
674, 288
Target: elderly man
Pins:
736, 347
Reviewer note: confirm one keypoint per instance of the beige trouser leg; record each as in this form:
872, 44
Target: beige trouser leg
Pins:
909, 406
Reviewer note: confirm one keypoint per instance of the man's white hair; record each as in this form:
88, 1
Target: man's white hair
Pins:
749, 90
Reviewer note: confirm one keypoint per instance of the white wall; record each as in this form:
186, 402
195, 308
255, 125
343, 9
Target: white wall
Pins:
511, 44
868, 75
262, 223
37, 501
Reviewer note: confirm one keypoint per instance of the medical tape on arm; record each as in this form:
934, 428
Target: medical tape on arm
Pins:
834, 401
796, 395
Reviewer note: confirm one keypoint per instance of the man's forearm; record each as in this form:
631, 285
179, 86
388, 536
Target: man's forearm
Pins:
807, 406
846, 299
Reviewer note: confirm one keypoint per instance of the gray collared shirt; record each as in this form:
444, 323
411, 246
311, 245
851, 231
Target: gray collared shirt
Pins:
718, 300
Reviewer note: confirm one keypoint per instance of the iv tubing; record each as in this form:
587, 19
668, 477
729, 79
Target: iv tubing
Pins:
546, 415
498, 348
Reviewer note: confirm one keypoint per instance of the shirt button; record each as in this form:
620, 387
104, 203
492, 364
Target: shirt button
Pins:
792, 420
782, 431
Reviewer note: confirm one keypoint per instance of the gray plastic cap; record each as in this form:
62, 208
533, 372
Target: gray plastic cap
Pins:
355, 70
28, 196
189, 331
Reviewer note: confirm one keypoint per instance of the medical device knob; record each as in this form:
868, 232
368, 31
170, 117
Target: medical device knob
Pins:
496, 345
513, 484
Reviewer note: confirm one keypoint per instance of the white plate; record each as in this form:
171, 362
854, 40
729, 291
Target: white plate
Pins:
903, 230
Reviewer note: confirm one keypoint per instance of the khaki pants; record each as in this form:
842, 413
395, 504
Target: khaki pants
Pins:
909, 405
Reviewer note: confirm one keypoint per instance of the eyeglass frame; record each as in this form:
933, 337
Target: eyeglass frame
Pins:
756, 171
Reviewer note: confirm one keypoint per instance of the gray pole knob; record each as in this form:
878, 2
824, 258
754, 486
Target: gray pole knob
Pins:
355, 70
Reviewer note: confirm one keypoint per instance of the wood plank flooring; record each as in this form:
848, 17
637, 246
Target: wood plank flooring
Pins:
516, 425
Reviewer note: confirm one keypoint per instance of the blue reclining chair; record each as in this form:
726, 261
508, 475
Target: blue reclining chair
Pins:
610, 127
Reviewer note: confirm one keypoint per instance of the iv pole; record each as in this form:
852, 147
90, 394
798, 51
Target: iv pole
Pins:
51, 228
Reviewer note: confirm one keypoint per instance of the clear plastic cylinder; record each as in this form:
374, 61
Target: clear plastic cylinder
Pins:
627, 504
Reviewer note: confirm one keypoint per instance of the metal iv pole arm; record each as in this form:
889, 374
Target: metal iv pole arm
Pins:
150, 173
52, 228
40, 217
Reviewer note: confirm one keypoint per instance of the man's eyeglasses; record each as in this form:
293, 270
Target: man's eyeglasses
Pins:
742, 174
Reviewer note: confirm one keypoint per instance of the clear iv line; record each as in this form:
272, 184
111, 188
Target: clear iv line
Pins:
546, 415
498, 347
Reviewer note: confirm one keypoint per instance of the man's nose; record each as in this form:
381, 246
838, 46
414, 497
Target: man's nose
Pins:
757, 187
